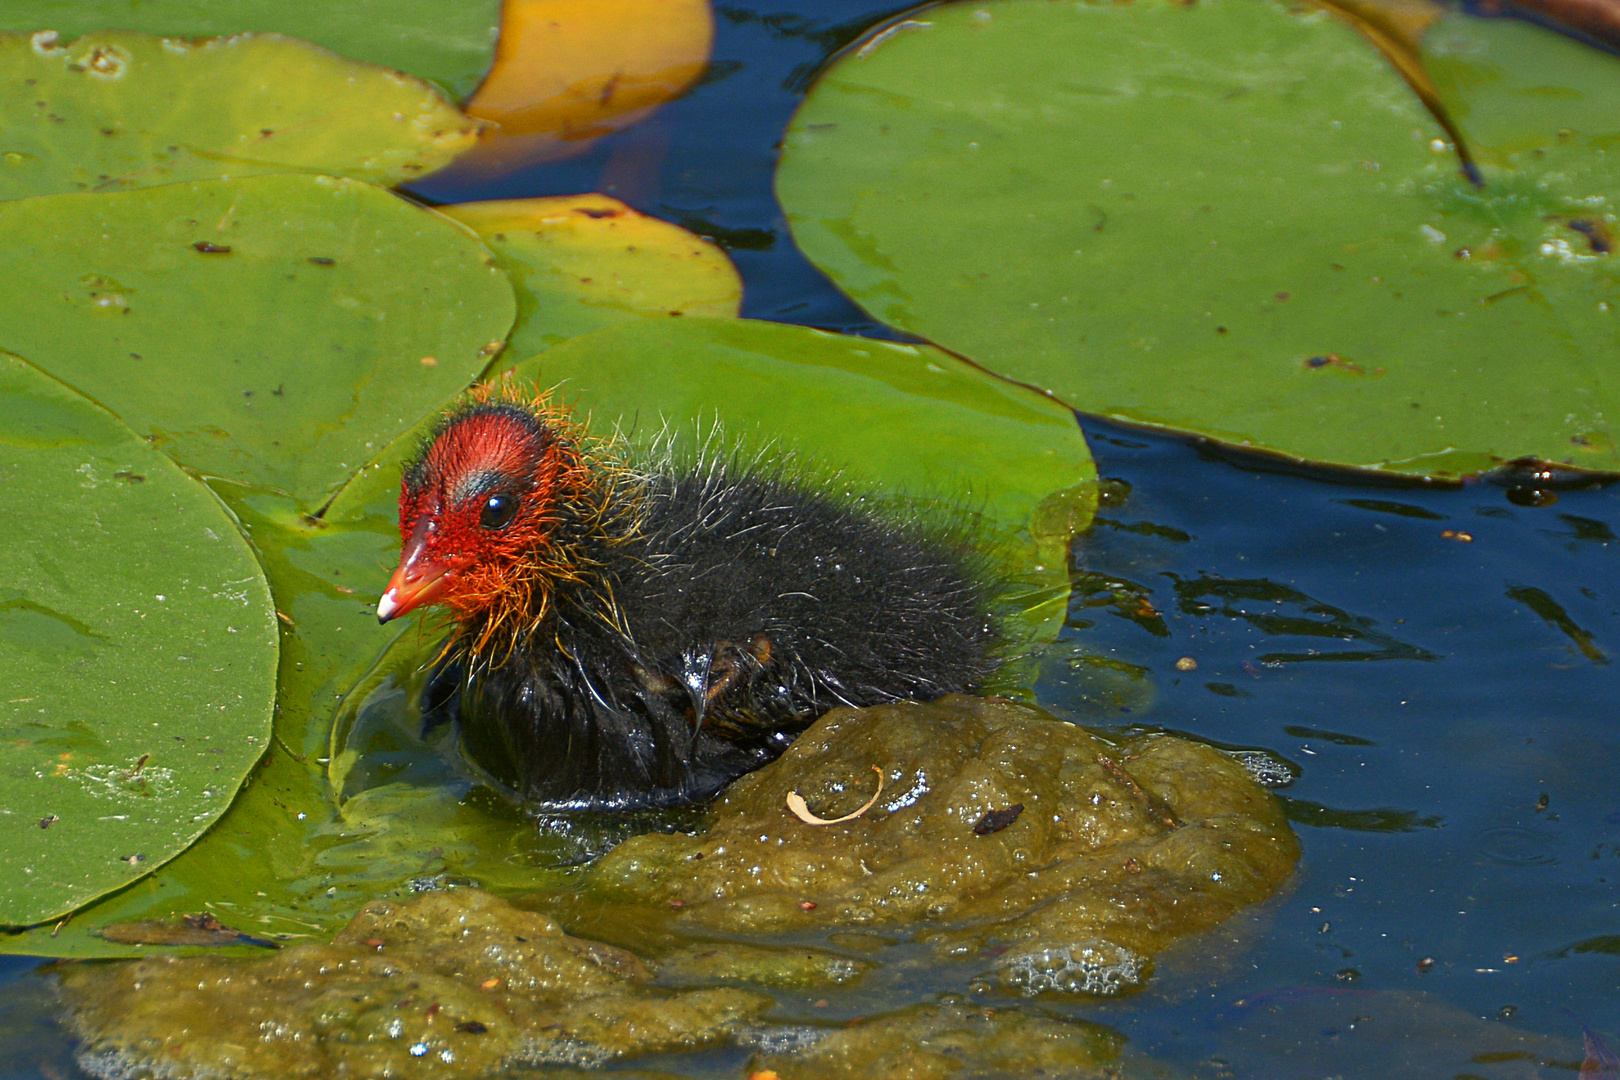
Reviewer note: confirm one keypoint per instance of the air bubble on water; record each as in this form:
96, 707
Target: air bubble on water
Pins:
1098, 968
564, 1052
111, 1065
780, 1040
1265, 768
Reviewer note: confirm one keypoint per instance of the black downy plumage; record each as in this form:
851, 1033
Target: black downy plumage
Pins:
694, 637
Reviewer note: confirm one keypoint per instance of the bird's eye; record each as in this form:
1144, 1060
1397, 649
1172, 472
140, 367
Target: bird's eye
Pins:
498, 512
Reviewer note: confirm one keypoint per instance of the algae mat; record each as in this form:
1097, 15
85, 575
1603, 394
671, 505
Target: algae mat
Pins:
1058, 859
505, 989
1230, 218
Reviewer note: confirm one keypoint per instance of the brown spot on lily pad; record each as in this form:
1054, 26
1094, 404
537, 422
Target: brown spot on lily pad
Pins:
1598, 236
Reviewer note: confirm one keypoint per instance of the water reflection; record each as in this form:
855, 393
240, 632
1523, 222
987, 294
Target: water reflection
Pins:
1384, 819
1291, 614
1554, 615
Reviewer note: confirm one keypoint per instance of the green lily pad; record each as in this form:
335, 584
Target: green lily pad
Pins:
451, 44
1230, 218
137, 653
274, 331
119, 109
1529, 100
266, 866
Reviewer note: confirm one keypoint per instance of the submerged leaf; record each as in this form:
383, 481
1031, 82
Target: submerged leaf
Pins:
137, 653
1231, 218
204, 930
1600, 1062
450, 44
117, 109
276, 330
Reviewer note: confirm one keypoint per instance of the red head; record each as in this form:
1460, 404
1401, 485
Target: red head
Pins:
479, 508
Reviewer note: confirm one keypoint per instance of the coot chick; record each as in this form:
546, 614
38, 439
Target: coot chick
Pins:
641, 636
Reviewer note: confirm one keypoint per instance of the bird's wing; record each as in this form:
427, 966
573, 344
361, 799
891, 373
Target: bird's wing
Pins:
721, 686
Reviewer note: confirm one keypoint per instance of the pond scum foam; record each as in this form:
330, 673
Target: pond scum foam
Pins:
1122, 845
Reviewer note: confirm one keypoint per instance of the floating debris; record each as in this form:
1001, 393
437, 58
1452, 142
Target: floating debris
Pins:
996, 820
796, 803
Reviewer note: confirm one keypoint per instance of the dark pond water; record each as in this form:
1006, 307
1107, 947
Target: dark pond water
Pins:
1438, 662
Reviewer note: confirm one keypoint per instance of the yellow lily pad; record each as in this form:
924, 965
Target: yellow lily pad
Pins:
570, 71
580, 262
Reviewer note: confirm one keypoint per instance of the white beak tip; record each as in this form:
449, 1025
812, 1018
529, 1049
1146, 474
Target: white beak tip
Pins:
387, 606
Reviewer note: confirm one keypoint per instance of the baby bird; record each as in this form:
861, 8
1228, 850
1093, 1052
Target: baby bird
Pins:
640, 637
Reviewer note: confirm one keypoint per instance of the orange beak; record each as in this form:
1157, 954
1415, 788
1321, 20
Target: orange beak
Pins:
419, 580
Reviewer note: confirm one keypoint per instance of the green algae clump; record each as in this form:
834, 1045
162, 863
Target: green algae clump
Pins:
779, 968
1066, 856
950, 1041
450, 984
